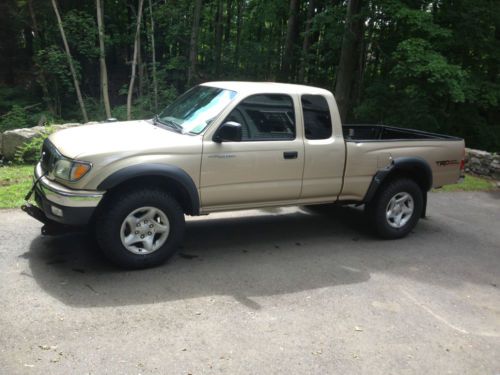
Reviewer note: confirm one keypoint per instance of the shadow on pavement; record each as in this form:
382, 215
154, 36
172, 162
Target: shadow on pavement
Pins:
267, 254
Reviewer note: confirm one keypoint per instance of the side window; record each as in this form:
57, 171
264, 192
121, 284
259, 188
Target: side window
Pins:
266, 117
317, 120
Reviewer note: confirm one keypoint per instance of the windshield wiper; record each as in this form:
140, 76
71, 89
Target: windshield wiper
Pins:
171, 124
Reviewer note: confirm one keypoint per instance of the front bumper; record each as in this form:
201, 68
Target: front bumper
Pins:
62, 204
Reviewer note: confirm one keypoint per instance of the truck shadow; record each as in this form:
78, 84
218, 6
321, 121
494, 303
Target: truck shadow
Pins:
263, 253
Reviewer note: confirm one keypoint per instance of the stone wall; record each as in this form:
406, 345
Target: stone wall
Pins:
482, 163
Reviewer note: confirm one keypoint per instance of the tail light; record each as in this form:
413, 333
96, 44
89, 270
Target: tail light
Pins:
462, 168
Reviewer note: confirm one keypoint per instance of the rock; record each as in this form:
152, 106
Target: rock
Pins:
474, 161
65, 126
12, 139
477, 153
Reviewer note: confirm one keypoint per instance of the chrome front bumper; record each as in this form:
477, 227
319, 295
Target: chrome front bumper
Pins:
63, 196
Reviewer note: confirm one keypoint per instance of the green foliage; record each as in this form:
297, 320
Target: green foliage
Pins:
81, 30
15, 182
471, 183
433, 65
55, 65
17, 117
29, 152
421, 68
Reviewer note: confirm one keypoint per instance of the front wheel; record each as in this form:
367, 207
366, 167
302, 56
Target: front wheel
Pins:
396, 209
140, 228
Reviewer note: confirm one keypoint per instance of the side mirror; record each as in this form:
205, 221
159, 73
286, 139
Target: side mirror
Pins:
228, 132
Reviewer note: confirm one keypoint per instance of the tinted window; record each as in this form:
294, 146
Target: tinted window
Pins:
265, 117
317, 120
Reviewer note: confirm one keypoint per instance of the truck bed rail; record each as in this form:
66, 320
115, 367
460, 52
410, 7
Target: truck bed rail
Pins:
367, 133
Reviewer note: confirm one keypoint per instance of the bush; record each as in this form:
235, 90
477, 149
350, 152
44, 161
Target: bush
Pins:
29, 153
16, 118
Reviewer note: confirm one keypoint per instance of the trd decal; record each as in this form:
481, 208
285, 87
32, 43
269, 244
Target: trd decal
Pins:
444, 163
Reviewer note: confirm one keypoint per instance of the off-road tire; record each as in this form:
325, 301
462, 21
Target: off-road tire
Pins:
117, 207
377, 208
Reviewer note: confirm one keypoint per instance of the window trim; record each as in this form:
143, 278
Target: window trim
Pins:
304, 119
266, 139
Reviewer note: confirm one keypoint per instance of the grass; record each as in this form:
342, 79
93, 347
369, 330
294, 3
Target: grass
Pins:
471, 183
16, 180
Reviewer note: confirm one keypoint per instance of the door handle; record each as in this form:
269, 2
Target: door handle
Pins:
290, 154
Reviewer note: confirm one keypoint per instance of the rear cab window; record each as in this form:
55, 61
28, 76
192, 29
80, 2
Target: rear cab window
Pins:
317, 117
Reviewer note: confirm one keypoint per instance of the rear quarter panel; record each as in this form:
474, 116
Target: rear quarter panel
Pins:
364, 159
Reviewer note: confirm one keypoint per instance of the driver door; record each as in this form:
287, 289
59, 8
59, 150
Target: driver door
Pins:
266, 166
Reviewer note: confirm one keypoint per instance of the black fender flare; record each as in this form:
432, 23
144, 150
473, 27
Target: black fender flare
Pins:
167, 171
416, 165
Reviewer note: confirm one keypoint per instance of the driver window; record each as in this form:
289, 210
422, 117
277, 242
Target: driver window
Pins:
266, 117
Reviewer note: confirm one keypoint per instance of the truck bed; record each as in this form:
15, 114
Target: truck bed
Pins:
367, 133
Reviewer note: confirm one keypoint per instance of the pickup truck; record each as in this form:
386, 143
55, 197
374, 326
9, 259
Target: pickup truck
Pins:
225, 146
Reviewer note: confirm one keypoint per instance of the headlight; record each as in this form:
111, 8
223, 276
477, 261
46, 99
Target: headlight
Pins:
71, 170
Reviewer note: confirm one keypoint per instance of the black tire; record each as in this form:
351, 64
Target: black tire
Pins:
376, 209
114, 211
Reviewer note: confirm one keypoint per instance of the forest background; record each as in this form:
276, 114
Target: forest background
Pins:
430, 65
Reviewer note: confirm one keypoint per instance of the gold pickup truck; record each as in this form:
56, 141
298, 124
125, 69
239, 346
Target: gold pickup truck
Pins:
225, 146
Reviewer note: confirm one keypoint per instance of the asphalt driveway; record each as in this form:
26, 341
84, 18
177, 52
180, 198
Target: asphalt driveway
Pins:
282, 291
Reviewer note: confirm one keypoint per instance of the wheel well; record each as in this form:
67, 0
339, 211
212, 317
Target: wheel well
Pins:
415, 173
173, 187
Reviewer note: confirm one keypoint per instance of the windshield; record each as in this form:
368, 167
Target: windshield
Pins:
194, 110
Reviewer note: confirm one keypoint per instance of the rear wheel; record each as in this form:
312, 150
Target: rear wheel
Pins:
140, 228
396, 208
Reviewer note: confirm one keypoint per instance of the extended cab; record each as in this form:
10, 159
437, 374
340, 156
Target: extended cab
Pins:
228, 146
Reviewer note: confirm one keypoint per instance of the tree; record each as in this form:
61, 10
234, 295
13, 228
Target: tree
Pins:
305, 43
102, 60
193, 42
134, 60
42, 79
426, 64
70, 62
291, 36
348, 57
153, 55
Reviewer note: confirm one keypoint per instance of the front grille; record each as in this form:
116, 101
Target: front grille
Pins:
49, 156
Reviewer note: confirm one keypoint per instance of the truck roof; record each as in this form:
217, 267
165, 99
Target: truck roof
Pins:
244, 87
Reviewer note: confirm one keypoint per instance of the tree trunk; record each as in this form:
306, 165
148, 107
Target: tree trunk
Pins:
70, 62
134, 61
229, 16
291, 35
153, 52
349, 57
239, 16
102, 60
218, 38
42, 80
193, 42
306, 42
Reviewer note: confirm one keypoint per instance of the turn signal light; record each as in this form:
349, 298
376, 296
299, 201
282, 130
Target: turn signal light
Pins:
79, 170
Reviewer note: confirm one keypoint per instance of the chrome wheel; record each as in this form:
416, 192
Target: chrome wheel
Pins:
145, 230
399, 210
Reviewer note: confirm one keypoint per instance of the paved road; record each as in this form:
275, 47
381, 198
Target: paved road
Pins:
281, 291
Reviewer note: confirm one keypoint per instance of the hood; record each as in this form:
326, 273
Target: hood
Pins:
124, 138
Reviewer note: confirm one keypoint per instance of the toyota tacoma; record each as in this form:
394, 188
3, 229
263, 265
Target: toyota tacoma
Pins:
225, 146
